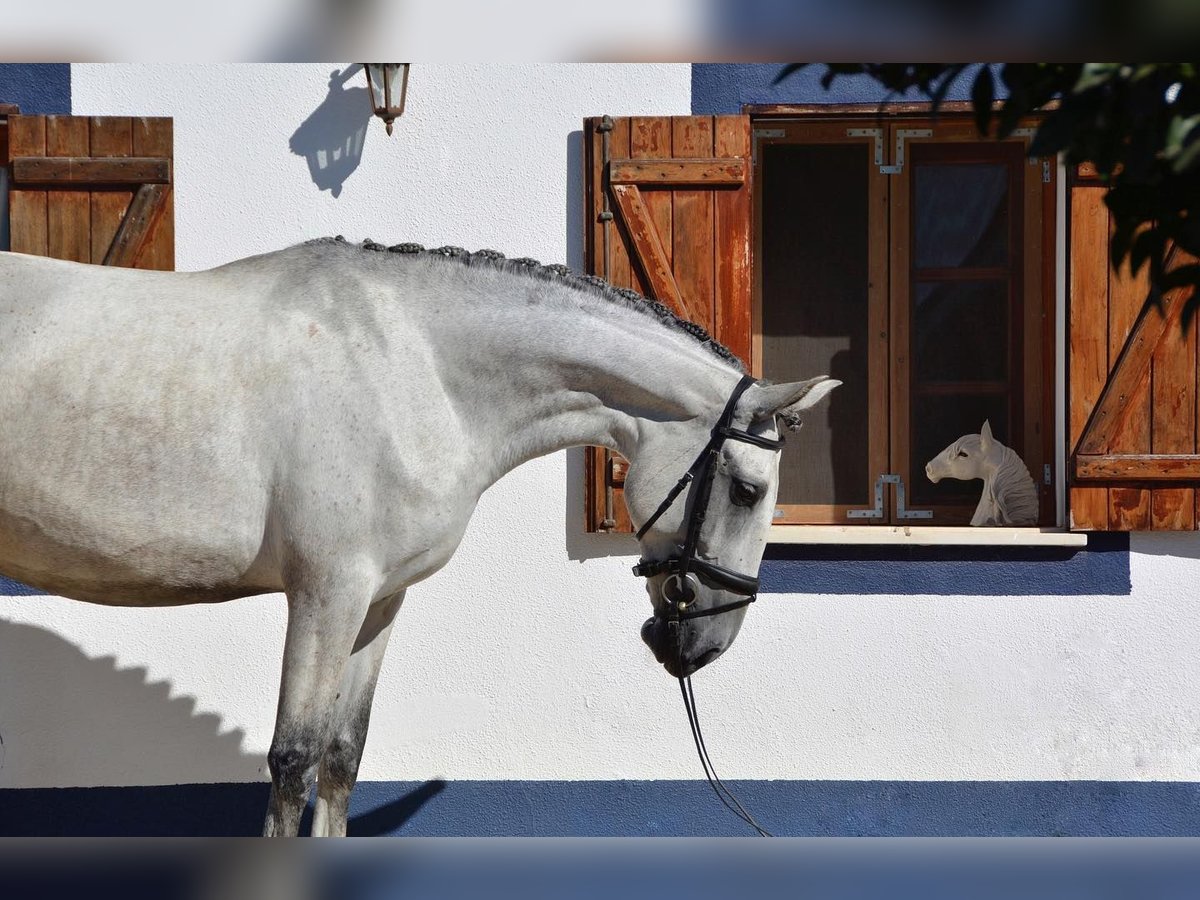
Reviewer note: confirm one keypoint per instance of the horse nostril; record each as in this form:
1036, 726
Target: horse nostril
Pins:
648, 632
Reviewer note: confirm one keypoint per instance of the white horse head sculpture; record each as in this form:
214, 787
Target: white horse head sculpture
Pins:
1009, 496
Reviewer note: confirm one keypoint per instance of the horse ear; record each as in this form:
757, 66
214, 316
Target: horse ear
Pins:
789, 400
985, 436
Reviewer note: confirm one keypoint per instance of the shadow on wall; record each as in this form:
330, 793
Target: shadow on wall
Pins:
580, 544
331, 138
88, 721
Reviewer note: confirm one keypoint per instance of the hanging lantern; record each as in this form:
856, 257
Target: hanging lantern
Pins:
388, 83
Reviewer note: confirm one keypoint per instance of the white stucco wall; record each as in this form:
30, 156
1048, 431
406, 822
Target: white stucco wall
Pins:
521, 659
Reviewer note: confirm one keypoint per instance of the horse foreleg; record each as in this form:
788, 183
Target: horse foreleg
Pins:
323, 623
352, 713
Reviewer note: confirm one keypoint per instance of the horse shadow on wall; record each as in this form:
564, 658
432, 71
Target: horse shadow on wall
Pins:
88, 720
331, 138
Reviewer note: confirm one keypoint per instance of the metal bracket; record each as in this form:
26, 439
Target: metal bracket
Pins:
902, 510
877, 512
757, 135
876, 133
902, 135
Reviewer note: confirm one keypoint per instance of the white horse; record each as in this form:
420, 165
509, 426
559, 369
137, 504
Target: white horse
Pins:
322, 421
1009, 495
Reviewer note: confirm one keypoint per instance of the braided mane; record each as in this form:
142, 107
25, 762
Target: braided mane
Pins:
560, 274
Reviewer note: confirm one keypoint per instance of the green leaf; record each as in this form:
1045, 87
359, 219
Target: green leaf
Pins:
1183, 143
1094, 75
983, 92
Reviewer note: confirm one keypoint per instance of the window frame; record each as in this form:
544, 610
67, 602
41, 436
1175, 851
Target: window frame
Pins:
1039, 202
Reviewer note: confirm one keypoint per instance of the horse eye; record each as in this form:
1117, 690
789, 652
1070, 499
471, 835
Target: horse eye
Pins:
962, 452
742, 493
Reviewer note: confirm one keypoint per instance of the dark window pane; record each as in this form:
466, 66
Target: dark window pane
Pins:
961, 215
814, 311
939, 421
960, 330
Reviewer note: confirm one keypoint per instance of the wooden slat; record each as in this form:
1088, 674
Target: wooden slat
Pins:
154, 136
69, 218
27, 208
593, 182
81, 170
731, 243
702, 173
135, 227
111, 137
1173, 425
1131, 369
620, 269
1138, 467
1128, 507
652, 256
650, 136
692, 234
1088, 339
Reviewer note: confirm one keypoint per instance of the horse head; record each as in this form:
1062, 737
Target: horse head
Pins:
971, 456
702, 546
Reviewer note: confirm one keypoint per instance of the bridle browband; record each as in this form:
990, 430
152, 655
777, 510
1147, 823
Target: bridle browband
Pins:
681, 587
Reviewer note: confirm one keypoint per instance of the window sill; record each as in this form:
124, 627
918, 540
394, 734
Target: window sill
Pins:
925, 536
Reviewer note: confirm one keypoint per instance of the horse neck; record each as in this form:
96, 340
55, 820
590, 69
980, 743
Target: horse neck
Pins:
1009, 480
573, 371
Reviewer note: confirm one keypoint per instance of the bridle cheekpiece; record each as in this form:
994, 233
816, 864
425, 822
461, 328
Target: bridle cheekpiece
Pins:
681, 587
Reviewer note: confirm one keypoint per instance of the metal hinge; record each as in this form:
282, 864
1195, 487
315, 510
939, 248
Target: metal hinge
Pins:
1047, 477
902, 510
1045, 171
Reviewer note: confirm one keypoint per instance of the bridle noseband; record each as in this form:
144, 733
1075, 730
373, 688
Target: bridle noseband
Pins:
682, 586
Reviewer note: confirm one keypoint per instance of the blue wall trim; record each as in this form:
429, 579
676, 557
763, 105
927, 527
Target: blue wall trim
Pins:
636, 809
721, 88
1100, 569
38, 88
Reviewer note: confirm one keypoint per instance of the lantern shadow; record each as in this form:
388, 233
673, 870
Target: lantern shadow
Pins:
331, 138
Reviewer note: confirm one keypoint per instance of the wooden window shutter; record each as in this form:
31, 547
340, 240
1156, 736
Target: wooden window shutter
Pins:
92, 189
1132, 387
667, 205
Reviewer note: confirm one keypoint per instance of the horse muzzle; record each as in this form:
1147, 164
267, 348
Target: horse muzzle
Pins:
662, 637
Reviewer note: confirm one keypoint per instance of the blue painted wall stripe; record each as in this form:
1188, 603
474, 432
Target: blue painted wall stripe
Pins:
38, 88
1100, 569
723, 88
635, 808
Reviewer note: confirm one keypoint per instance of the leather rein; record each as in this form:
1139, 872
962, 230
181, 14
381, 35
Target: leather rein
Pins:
682, 571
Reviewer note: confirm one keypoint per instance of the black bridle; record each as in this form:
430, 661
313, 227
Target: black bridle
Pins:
681, 587
684, 585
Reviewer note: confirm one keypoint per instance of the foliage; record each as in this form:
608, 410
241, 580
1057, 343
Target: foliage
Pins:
1138, 124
